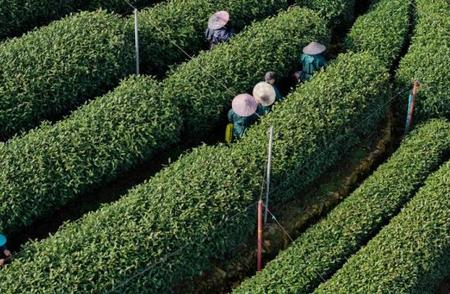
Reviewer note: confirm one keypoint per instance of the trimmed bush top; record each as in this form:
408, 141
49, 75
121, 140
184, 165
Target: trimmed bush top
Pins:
413, 248
427, 60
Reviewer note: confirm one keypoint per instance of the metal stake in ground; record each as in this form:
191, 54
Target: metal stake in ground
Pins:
411, 104
136, 39
136, 35
269, 166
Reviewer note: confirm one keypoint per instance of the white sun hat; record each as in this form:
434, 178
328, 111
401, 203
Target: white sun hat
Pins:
218, 20
314, 48
244, 105
264, 93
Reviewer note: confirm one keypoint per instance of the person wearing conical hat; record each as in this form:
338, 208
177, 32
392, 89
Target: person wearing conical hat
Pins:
270, 78
312, 60
219, 29
264, 94
5, 254
242, 113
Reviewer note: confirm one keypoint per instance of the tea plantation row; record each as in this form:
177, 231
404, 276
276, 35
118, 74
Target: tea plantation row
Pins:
413, 249
325, 247
383, 31
50, 71
428, 58
111, 134
19, 16
198, 204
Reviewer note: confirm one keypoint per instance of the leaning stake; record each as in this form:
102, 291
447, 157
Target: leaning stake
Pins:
411, 104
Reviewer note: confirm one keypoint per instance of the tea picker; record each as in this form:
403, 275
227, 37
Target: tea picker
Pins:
241, 116
218, 29
311, 60
265, 95
270, 78
5, 254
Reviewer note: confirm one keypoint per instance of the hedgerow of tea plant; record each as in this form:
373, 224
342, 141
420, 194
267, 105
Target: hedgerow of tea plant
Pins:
168, 26
324, 247
410, 254
382, 31
49, 166
196, 208
335, 12
19, 16
51, 70
427, 60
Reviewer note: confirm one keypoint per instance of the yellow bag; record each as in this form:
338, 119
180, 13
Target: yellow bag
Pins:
229, 133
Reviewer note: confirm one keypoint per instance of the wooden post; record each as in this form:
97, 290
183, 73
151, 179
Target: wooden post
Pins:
260, 236
411, 105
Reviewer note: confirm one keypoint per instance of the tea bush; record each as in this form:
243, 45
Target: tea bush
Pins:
49, 71
181, 23
324, 247
383, 31
118, 6
427, 60
20, 16
53, 164
168, 228
335, 12
413, 248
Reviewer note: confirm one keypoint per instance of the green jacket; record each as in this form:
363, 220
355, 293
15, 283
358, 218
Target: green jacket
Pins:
263, 110
311, 64
278, 95
240, 123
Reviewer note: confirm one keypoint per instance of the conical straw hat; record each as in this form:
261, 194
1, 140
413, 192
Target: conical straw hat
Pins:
264, 93
244, 105
218, 20
314, 48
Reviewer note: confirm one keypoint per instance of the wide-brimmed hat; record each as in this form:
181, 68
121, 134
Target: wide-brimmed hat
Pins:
244, 105
264, 93
314, 48
218, 20
3, 241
